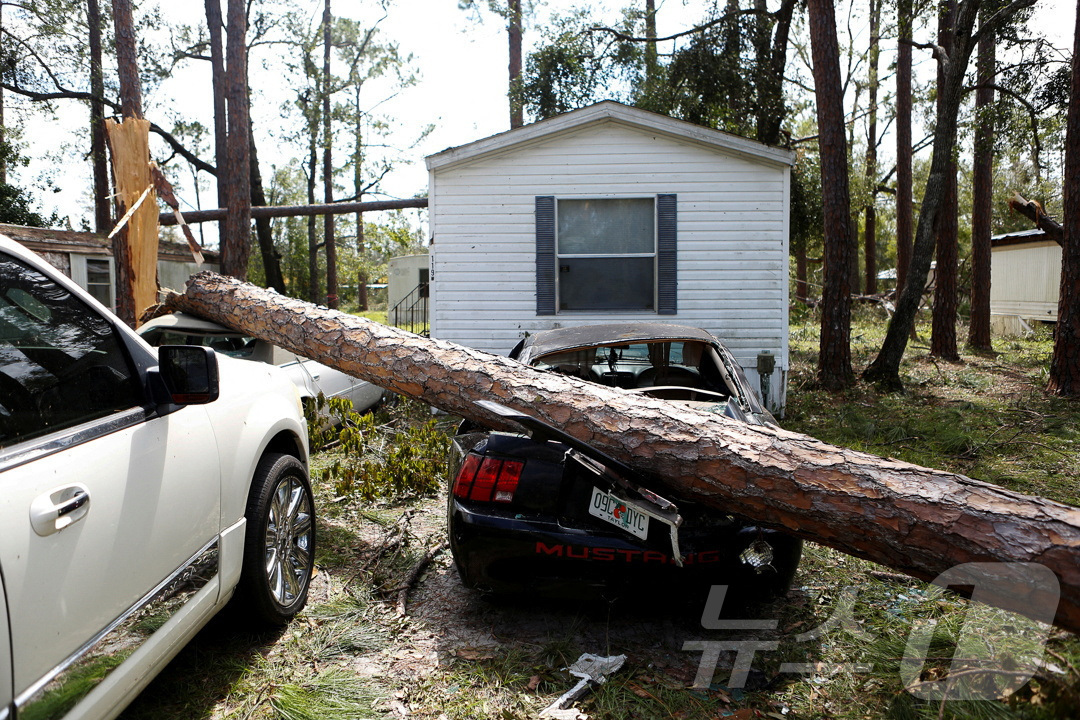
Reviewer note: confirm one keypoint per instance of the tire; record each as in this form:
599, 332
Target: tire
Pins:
279, 544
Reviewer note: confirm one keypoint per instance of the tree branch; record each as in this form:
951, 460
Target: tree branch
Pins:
991, 23
65, 94
696, 29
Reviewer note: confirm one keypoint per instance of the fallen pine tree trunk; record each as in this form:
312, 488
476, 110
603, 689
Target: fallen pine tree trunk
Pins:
917, 520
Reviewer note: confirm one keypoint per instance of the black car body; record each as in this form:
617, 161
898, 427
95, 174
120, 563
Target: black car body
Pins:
545, 512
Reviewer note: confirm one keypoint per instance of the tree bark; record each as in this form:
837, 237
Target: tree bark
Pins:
1034, 212
221, 122
770, 83
943, 329
513, 31
131, 107
1065, 363
982, 195
834, 358
917, 520
652, 65
358, 193
271, 260
314, 294
885, 370
870, 229
904, 203
236, 243
329, 241
3, 155
98, 157
127, 60
272, 211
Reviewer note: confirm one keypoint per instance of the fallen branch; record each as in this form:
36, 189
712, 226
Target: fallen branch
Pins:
414, 575
1034, 212
920, 521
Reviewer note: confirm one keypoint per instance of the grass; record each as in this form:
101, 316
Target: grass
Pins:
841, 636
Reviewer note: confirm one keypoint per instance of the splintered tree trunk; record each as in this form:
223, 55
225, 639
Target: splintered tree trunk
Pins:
914, 519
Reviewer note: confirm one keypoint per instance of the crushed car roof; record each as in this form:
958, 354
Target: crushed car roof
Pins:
549, 341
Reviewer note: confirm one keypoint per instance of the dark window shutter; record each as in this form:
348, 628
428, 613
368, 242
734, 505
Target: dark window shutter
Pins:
667, 223
545, 255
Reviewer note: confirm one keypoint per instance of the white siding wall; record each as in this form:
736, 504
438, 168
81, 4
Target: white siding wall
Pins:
1025, 281
732, 237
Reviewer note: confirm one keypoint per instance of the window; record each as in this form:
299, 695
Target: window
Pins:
61, 363
605, 254
95, 275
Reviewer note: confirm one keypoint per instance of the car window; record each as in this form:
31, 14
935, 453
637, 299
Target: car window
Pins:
61, 362
238, 346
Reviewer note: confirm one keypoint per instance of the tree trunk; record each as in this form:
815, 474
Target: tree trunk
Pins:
236, 243
329, 241
914, 519
98, 159
127, 60
885, 370
314, 294
771, 82
513, 30
834, 359
358, 192
1065, 363
3, 155
652, 66
904, 210
870, 229
943, 331
131, 107
801, 293
982, 195
263, 231
221, 126
309, 210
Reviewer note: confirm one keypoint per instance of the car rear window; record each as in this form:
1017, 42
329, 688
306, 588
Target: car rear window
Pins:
238, 346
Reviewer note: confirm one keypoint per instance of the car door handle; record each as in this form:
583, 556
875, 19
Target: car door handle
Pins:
59, 508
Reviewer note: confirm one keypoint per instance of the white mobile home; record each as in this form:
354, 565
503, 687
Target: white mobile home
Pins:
612, 214
1025, 279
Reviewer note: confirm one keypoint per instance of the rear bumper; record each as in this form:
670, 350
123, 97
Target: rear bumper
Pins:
504, 553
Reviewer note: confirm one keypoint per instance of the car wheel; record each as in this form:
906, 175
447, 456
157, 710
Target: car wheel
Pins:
279, 547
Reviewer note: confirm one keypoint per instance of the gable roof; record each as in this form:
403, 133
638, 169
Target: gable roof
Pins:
610, 111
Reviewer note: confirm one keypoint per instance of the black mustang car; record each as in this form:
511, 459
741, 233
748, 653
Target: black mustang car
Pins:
545, 512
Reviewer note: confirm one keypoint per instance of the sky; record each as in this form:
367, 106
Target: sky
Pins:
461, 65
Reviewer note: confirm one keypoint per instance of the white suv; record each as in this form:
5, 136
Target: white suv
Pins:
139, 492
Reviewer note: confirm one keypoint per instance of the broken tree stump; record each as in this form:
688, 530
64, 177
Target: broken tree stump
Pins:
914, 519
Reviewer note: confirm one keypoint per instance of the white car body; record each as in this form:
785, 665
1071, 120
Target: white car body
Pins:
309, 376
161, 529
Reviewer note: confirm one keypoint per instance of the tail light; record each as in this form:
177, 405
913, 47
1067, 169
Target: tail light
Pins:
488, 479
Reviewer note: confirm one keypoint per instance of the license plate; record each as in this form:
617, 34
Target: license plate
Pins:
611, 509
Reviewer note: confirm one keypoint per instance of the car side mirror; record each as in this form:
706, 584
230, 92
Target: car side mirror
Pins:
189, 373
